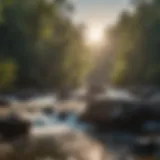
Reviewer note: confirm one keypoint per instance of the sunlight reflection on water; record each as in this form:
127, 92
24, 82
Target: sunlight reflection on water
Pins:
74, 140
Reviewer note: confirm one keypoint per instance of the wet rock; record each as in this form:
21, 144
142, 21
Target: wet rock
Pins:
4, 102
12, 127
48, 111
104, 110
145, 149
116, 115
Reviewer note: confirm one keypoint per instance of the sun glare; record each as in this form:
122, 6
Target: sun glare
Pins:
94, 35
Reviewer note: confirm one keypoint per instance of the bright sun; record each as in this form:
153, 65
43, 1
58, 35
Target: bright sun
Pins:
94, 35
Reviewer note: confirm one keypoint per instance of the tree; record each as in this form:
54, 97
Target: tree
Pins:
46, 45
137, 46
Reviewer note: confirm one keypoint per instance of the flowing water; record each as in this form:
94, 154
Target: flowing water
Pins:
77, 140
55, 138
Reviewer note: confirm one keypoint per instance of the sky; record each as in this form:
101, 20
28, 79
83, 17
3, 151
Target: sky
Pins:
97, 15
98, 12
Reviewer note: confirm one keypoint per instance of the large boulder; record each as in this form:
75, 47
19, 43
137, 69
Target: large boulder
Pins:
13, 127
119, 115
103, 110
97, 111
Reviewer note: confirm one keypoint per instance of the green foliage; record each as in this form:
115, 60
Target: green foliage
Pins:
136, 42
8, 70
47, 46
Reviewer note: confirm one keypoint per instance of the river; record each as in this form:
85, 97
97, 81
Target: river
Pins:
52, 137
79, 141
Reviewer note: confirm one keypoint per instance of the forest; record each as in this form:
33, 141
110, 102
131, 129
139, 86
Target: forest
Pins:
40, 47
135, 42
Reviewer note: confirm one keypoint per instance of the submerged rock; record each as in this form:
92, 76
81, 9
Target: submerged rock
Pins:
48, 111
63, 116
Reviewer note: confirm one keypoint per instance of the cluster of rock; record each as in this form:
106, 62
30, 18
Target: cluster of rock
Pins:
122, 115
